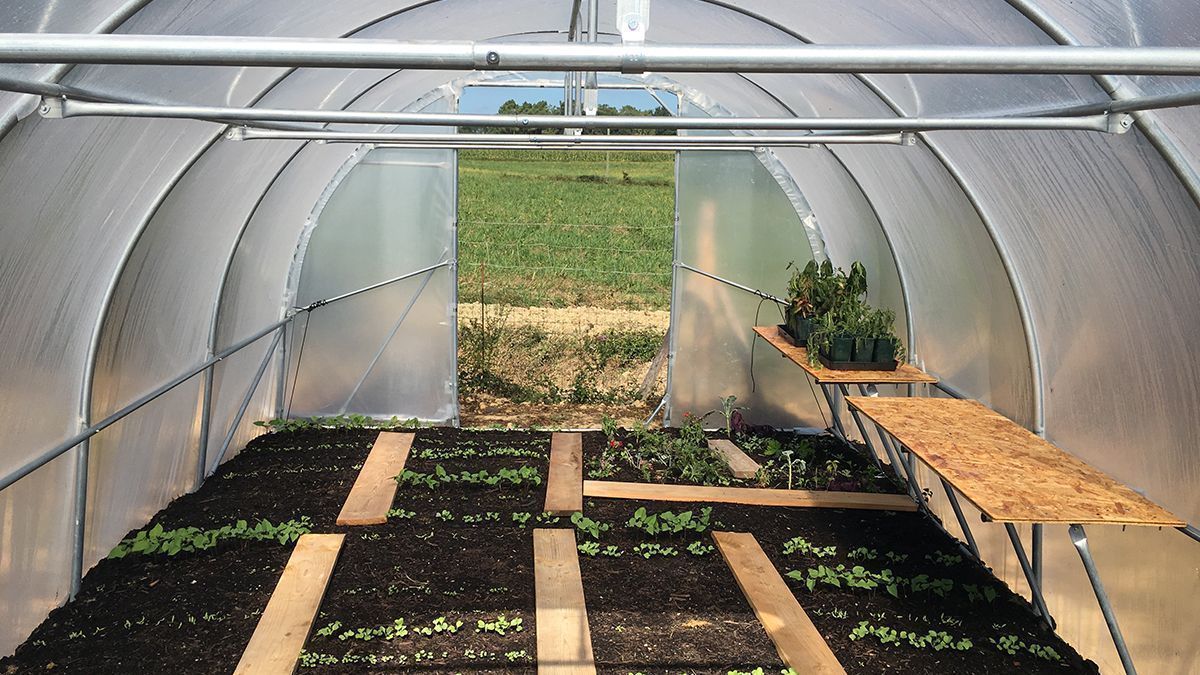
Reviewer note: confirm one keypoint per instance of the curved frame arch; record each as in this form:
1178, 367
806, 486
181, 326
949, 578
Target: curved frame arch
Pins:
1022, 301
1146, 120
132, 8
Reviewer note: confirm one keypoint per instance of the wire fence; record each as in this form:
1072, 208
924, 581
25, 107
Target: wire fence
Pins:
564, 267
564, 312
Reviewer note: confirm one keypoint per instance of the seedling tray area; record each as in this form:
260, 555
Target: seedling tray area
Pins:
446, 584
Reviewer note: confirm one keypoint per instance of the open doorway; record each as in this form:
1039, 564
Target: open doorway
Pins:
564, 271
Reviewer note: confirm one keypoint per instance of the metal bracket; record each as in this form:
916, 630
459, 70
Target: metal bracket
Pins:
1119, 123
633, 18
51, 107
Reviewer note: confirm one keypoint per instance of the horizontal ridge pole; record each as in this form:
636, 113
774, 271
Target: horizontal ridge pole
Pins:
622, 57
74, 108
571, 142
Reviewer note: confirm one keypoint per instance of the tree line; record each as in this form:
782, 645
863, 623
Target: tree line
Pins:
511, 107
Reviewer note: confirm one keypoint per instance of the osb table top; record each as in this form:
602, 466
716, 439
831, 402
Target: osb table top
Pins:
903, 374
1008, 473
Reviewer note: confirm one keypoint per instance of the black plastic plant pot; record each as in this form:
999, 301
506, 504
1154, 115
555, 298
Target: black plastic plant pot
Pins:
864, 349
885, 350
801, 328
841, 349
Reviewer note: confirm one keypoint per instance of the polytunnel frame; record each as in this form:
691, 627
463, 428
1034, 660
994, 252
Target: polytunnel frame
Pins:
958, 178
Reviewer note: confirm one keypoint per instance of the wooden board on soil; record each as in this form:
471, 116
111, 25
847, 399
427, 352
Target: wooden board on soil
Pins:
799, 643
463, 551
564, 489
564, 643
285, 624
1007, 472
903, 374
740, 465
748, 496
375, 487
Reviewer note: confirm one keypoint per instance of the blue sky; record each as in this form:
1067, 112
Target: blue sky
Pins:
488, 99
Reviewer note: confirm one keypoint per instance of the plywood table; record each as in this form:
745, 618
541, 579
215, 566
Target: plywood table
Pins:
1013, 476
905, 373
829, 379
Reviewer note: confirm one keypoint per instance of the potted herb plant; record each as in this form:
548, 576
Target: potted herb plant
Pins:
859, 324
888, 348
830, 339
800, 311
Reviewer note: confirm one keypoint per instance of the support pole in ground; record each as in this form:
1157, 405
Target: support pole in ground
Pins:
884, 438
80, 515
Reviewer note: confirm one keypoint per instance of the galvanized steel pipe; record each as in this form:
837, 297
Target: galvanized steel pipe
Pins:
626, 57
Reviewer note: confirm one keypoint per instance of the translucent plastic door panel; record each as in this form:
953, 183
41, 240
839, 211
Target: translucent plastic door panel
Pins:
391, 350
735, 222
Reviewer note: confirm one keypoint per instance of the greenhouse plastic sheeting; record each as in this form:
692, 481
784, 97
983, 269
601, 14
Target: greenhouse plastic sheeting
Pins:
735, 222
389, 351
1009, 246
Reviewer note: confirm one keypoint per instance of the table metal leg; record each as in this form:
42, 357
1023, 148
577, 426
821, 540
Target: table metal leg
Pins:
1034, 586
833, 412
962, 521
870, 390
910, 475
1079, 538
1036, 552
862, 430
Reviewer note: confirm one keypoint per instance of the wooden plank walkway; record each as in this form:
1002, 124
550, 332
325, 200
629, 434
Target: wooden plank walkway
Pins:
284, 625
564, 642
740, 464
1007, 472
371, 497
904, 374
564, 486
797, 640
748, 496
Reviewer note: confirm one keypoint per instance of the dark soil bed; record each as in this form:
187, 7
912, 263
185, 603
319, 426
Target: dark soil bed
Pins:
462, 552
831, 464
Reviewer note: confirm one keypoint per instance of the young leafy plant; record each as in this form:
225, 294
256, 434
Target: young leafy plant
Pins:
588, 526
801, 545
170, 542
669, 522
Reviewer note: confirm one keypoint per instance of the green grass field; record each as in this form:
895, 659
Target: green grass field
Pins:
558, 229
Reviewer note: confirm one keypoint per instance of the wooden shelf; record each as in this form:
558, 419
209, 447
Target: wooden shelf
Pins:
903, 374
1008, 473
